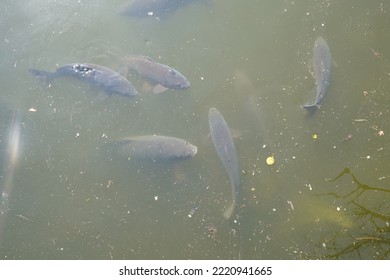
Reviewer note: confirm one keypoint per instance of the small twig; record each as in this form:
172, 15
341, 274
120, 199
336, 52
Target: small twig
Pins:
23, 217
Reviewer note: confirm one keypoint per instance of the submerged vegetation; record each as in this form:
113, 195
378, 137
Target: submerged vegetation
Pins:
370, 237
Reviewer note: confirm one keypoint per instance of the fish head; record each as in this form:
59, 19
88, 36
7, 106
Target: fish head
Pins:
186, 151
130, 91
193, 149
174, 79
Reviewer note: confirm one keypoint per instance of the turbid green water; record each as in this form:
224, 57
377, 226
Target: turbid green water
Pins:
66, 198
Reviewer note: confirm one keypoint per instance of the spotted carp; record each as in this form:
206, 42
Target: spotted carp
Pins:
224, 145
108, 80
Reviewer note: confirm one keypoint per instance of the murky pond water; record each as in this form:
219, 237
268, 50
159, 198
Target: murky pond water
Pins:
65, 197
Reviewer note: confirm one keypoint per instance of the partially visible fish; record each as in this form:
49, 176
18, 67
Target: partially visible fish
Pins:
155, 148
247, 94
144, 8
322, 64
156, 72
13, 149
224, 145
103, 77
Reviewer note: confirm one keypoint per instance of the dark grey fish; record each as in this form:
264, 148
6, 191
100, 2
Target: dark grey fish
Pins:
322, 63
103, 77
156, 72
144, 8
155, 148
224, 145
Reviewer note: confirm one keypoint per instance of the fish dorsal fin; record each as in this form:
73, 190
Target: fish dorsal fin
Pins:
148, 58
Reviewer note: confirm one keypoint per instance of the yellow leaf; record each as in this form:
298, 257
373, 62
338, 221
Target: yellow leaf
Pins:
270, 160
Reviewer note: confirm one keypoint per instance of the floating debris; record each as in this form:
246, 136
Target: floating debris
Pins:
349, 137
376, 54
192, 212
212, 232
360, 120
24, 218
270, 160
314, 136
291, 204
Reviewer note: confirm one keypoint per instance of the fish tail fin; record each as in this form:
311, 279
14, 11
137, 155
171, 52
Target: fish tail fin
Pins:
44, 76
313, 106
229, 211
309, 106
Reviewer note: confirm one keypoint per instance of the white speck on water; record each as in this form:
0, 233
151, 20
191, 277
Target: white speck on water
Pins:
156, 197
309, 186
192, 212
338, 208
291, 204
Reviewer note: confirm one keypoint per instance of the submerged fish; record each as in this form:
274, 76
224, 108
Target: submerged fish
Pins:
144, 8
322, 64
224, 145
155, 148
103, 77
156, 72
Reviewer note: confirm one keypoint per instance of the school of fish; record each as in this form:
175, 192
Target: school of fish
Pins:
160, 149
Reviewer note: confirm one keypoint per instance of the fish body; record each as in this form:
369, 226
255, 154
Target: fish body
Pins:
224, 145
103, 77
144, 8
322, 65
156, 72
155, 148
